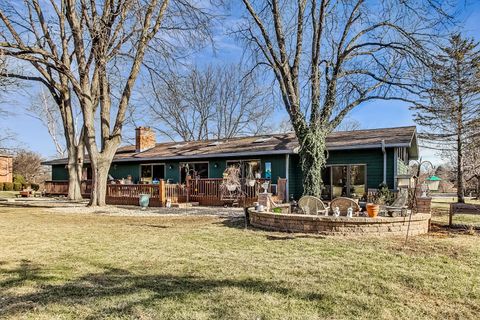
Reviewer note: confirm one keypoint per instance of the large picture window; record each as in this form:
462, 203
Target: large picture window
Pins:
344, 181
248, 168
196, 170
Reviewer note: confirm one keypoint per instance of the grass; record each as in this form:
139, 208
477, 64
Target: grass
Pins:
78, 266
441, 208
8, 194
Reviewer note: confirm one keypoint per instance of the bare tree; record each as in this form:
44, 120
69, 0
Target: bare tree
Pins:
44, 45
218, 103
450, 114
96, 48
328, 57
47, 112
348, 124
28, 165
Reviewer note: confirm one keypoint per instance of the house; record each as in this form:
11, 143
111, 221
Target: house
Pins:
357, 160
6, 168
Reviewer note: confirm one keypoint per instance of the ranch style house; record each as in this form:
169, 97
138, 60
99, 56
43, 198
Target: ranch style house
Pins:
357, 160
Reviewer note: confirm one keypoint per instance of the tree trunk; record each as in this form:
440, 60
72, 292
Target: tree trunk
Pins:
460, 178
100, 168
74, 167
312, 156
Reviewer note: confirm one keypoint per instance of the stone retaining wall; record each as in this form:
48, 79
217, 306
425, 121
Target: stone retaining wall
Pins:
380, 226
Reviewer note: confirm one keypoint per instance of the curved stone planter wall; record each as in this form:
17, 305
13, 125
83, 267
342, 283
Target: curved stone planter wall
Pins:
380, 226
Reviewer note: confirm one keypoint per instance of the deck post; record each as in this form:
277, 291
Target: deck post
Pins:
187, 186
161, 190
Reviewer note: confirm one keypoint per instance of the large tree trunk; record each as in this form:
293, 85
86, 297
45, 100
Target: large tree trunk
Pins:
74, 181
75, 171
312, 156
100, 169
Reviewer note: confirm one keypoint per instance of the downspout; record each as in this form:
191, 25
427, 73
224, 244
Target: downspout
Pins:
384, 162
287, 164
395, 168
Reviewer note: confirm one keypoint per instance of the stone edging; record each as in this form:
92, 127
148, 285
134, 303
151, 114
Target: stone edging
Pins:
380, 226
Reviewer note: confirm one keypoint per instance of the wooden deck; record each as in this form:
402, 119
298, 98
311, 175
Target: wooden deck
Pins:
207, 192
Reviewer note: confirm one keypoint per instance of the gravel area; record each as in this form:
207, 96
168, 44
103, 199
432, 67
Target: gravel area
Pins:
59, 205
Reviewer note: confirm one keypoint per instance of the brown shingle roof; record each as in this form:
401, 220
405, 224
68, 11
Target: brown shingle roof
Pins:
265, 144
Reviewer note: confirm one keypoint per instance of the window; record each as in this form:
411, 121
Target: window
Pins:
151, 173
195, 170
344, 181
248, 168
403, 154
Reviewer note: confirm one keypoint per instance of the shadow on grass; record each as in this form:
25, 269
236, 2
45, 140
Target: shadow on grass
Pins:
126, 290
26, 271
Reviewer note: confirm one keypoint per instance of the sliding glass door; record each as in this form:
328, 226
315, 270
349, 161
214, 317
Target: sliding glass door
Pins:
344, 181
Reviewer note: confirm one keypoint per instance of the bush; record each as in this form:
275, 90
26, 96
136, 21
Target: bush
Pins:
18, 178
1, 186
17, 186
35, 186
8, 186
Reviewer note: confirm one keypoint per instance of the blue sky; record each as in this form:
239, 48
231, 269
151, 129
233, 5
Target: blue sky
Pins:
33, 135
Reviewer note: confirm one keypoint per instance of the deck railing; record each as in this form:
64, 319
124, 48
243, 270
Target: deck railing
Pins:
60, 187
206, 192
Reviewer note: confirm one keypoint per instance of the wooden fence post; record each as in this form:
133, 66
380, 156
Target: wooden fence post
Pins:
187, 186
450, 215
161, 189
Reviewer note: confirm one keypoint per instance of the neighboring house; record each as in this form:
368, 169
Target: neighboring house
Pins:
6, 168
357, 160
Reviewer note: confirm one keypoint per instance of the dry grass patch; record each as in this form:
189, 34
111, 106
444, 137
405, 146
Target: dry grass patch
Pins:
199, 267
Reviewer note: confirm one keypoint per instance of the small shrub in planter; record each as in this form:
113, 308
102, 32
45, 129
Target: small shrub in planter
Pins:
17, 186
35, 186
1, 186
8, 186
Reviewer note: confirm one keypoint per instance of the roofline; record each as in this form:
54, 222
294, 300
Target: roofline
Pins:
237, 154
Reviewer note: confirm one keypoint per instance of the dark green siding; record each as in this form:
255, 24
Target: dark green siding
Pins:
295, 185
59, 172
372, 158
122, 170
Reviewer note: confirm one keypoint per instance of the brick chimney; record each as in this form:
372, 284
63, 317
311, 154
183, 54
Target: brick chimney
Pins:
144, 139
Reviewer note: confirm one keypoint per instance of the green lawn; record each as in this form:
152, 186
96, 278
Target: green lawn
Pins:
191, 267
8, 194
441, 208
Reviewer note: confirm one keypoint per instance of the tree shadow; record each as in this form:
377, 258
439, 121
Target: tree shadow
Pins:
119, 283
26, 271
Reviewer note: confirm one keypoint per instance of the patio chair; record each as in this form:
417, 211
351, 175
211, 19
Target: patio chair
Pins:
400, 206
312, 205
343, 204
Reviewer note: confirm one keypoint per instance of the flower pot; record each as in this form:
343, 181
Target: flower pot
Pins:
372, 210
231, 187
144, 200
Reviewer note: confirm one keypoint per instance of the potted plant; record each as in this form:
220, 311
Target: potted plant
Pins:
373, 207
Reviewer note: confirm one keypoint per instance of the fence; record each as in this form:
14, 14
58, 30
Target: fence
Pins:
60, 187
207, 192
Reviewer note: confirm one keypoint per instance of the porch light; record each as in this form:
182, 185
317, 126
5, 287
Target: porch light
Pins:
215, 165
170, 167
